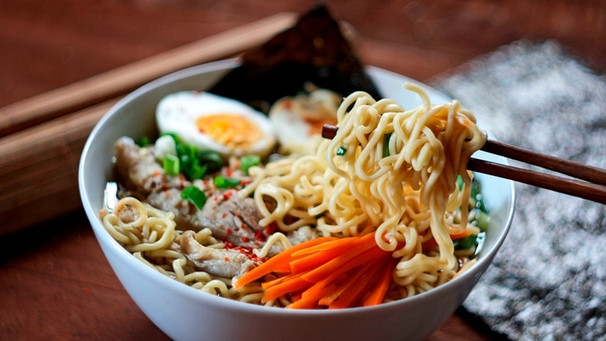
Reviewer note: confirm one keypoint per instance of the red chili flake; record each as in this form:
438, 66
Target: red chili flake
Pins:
248, 252
224, 215
228, 245
245, 239
228, 232
259, 236
226, 259
227, 194
271, 228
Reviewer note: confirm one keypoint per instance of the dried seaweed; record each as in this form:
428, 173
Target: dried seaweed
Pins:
315, 50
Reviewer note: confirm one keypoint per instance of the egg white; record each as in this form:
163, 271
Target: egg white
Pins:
178, 113
296, 120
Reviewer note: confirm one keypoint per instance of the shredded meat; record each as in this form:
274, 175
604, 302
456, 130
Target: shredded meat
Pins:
230, 217
217, 262
138, 167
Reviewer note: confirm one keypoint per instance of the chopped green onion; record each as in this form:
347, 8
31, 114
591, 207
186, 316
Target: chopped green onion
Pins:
386, 138
341, 151
195, 171
171, 164
144, 141
249, 161
211, 159
187, 153
465, 243
223, 182
194, 195
193, 163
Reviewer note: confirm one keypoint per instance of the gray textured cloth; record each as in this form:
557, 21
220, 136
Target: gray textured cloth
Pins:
548, 282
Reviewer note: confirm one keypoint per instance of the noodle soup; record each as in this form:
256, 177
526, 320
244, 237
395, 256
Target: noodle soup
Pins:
383, 211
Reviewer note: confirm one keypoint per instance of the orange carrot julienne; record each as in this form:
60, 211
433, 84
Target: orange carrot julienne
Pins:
377, 294
465, 233
337, 262
331, 273
339, 242
432, 242
311, 302
357, 289
339, 288
353, 279
314, 260
278, 263
290, 285
317, 292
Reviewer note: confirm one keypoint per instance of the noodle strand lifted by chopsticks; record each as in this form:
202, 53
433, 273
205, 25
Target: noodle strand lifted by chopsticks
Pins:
388, 170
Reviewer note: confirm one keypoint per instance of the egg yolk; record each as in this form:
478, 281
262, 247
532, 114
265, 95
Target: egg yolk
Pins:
232, 131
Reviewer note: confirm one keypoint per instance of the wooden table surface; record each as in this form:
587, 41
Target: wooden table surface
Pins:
54, 281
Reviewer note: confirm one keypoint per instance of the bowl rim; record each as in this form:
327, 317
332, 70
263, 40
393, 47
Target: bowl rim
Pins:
225, 64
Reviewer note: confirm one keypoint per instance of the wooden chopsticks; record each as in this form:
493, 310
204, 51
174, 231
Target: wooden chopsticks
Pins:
591, 186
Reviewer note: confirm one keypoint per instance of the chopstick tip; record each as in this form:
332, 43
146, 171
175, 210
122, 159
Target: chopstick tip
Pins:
329, 131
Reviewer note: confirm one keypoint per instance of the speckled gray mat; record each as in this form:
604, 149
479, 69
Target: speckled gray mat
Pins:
548, 282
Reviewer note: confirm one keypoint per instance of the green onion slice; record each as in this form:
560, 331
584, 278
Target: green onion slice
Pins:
249, 161
171, 164
223, 182
194, 195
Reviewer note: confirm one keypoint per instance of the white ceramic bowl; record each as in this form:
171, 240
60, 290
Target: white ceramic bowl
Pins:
184, 313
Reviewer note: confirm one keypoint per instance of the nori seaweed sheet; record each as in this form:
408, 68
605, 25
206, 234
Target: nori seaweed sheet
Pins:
314, 50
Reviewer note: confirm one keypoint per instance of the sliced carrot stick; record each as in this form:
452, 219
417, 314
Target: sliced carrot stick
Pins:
278, 263
311, 302
340, 242
275, 281
377, 294
292, 284
352, 278
465, 233
333, 265
329, 251
326, 273
317, 291
357, 289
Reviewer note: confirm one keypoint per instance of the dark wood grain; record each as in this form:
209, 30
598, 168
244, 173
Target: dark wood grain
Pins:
54, 280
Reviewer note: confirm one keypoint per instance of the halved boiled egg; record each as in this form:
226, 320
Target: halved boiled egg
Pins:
298, 120
217, 123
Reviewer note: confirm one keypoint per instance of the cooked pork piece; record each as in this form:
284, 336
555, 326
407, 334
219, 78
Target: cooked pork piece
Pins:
230, 217
301, 235
217, 262
140, 170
